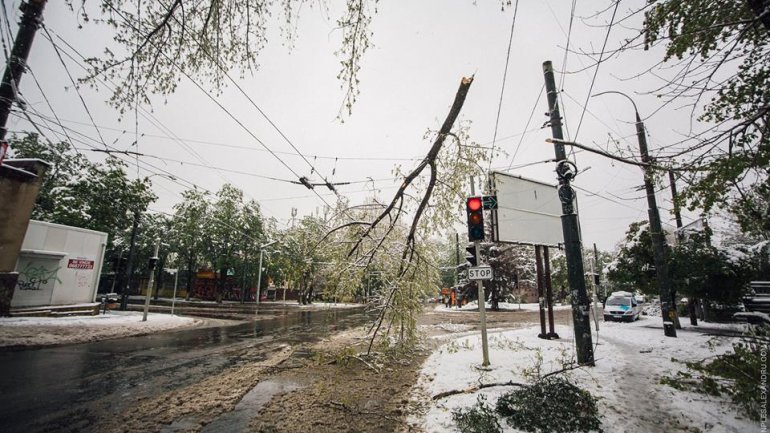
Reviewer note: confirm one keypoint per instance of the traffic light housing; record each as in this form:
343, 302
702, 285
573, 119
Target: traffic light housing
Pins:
474, 207
470, 256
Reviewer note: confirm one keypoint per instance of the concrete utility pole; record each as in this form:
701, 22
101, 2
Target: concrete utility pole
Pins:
659, 247
566, 171
31, 20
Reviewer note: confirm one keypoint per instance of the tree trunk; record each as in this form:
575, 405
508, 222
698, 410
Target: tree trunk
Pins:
222, 281
190, 276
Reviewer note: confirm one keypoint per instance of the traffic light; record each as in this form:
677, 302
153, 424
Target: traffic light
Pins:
471, 257
475, 210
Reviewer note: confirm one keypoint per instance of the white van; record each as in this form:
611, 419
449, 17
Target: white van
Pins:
622, 306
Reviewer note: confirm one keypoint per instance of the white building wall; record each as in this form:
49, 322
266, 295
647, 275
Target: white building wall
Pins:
58, 265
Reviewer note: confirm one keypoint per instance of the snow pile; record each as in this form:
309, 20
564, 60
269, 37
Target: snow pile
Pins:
37, 331
630, 361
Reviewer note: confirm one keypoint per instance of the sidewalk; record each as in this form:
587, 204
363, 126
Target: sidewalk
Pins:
631, 359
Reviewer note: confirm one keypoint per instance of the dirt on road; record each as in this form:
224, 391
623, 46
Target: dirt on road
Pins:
321, 387
339, 391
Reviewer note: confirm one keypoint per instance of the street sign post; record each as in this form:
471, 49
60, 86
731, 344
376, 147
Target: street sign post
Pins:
480, 273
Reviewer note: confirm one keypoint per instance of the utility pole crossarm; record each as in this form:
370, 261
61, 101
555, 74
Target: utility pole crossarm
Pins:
598, 152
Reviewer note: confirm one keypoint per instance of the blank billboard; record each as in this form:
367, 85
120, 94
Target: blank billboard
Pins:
529, 212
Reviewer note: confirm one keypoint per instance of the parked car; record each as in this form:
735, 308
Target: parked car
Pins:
622, 306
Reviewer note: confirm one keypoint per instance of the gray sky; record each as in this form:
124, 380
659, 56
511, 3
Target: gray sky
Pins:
408, 81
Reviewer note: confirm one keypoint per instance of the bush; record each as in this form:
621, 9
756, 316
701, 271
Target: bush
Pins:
551, 405
480, 418
740, 374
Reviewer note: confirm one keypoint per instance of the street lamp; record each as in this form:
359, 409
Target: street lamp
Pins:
667, 304
259, 275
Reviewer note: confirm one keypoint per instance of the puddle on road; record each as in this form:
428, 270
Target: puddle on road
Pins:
238, 419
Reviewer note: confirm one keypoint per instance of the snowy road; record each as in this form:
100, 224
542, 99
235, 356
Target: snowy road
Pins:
77, 387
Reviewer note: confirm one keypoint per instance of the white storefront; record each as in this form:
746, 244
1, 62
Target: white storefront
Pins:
58, 265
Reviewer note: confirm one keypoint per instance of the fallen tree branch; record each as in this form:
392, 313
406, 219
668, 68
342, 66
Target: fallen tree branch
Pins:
429, 161
475, 388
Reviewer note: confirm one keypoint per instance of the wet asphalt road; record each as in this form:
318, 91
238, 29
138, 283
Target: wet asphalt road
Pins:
70, 388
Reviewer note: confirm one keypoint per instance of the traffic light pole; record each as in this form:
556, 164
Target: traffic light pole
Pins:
565, 171
481, 301
482, 314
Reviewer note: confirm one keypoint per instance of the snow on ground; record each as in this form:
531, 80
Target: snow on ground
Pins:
504, 306
38, 331
630, 360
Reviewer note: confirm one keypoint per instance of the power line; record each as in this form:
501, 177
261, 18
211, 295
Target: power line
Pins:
147, 116
531, 114
596, 71
502, 87
77, 88
181, 162
240, 89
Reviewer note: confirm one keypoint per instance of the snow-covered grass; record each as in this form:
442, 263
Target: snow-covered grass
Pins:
504, 306
631, 358
35, 331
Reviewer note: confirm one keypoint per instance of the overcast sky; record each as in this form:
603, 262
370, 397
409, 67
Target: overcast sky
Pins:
421, 51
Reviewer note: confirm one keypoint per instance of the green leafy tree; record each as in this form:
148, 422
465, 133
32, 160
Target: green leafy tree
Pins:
156, 43
222, 234
81, 193
633, 267
717, 275
719, 53
185, 233
302, 259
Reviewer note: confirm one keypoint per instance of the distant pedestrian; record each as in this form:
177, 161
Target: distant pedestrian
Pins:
452, 297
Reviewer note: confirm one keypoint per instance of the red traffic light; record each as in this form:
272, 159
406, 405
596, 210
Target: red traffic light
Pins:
474, 207
474, 203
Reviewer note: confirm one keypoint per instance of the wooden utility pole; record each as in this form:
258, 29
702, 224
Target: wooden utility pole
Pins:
566, 171
31, 20
691, 300
659, 247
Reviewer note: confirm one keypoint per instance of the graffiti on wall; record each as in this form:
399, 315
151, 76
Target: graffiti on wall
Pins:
36, 275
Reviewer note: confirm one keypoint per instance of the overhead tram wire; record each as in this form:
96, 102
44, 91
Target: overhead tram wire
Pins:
240, 89
596, 71
47, 101
251, 148
502, 87
145, 114
165, 159
523, 134
232, 116
77, 89
141, 165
